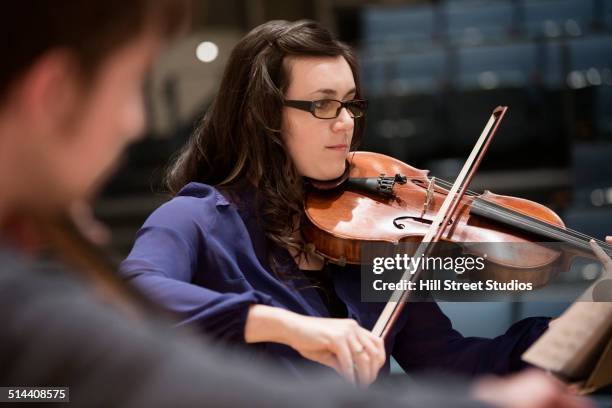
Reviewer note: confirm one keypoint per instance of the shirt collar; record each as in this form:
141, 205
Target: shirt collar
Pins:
201, 190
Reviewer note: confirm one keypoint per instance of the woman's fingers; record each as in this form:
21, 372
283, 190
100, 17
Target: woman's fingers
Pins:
375, 348
342, 350
361, 360
368, 354
357, 353
328, 359
602, 256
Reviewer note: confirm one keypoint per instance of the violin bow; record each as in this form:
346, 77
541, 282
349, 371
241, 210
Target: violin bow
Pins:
447, 211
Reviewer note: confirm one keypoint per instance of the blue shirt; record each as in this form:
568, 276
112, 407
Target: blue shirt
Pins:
204, 258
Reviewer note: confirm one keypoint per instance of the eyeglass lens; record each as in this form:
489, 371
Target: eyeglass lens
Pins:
329, 108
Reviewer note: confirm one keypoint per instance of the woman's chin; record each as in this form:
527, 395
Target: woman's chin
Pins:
331, 175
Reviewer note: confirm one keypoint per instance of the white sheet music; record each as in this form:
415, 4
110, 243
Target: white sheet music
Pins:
574, 341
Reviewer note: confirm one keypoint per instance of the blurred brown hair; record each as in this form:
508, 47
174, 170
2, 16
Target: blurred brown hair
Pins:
89, 29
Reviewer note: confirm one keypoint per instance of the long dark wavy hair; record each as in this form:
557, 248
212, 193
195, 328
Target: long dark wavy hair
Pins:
239, 139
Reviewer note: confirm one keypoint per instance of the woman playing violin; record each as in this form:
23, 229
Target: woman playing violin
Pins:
226, 253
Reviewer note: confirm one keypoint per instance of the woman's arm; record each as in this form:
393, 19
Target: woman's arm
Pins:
168, 251
162, 264
246, 317
354, 352
428, 340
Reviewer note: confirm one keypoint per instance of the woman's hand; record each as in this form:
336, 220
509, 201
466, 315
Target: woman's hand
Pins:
600, 290
354, 352
602, 256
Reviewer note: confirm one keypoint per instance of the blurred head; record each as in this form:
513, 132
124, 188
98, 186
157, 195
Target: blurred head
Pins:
70, 92
249, 134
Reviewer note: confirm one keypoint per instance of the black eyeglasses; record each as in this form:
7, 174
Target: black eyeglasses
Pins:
330, 108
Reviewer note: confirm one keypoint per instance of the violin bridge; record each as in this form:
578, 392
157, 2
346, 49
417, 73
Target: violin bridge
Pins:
430, 191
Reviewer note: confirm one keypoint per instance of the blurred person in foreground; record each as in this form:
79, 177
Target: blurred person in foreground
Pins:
70, 101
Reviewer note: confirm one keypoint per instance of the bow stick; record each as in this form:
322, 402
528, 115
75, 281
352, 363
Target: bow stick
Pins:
447, 211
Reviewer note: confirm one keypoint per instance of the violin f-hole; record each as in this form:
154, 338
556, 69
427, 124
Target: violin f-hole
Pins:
398, 225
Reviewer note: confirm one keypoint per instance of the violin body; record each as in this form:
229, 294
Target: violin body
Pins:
339, 222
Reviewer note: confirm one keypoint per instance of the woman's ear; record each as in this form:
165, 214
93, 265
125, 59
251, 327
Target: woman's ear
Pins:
48, 93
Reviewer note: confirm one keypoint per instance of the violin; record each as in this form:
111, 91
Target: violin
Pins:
380, 199
370, 207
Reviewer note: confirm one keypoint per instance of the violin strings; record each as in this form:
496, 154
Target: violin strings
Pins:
535, 224
569, 230
538, 224
567, 234
522, 218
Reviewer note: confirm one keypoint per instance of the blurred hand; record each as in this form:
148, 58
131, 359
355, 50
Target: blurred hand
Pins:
529, 389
